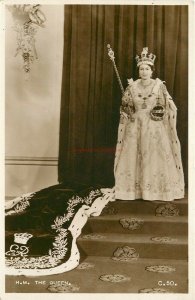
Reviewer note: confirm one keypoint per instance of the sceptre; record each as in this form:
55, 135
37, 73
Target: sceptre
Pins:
111, 55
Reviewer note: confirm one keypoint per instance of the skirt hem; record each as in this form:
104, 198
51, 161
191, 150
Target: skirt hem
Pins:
147, 197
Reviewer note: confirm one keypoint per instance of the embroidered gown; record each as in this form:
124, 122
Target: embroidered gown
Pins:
148, 157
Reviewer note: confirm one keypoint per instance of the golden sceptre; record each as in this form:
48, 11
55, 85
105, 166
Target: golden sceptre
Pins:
111, 55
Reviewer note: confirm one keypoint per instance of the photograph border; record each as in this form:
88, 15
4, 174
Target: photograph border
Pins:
191, 159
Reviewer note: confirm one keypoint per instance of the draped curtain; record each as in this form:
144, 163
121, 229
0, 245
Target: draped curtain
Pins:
90, 92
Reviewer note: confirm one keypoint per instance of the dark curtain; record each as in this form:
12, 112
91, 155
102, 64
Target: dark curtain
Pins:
90, 92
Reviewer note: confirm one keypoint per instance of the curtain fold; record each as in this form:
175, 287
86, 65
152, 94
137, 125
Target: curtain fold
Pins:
90, 92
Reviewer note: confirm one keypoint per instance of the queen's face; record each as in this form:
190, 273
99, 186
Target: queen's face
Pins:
145, 72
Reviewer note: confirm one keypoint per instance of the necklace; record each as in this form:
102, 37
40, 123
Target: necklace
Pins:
144, 105
145, 97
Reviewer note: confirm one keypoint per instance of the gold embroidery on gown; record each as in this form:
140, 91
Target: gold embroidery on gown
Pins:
148, 156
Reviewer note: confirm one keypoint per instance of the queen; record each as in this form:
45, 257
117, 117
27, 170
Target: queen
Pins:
148, 162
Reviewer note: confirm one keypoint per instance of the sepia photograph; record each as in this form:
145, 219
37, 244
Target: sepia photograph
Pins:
96, 148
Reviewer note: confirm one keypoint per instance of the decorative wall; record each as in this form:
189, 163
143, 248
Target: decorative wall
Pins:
32, 103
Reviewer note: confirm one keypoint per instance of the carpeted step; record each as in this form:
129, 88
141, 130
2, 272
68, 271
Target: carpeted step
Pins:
146, 246
145, 207
132, 277
141, 224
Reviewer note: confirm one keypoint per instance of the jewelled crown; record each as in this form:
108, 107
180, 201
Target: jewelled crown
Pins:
22, 238
145, 58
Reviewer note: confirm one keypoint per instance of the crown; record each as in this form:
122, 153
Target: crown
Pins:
145, 58
22, 238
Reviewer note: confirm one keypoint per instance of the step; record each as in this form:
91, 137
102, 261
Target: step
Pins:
107, 244
145, 207
151, 224
87, 277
